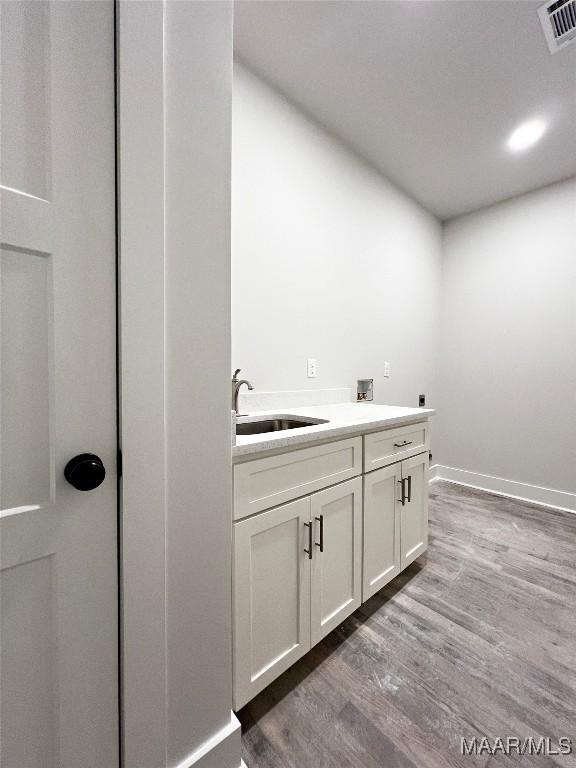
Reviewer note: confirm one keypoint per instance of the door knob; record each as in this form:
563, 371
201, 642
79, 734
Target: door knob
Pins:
85, 471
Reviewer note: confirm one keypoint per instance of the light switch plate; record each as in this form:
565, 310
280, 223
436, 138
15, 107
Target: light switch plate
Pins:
312, 367
386, 369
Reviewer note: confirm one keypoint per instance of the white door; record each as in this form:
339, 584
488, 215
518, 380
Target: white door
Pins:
58, 556
414, 527
382, 505
336, 587
271, 595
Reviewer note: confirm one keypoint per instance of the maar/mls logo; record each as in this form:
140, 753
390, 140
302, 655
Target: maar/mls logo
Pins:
513, 745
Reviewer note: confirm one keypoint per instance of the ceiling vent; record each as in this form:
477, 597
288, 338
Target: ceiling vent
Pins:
559, 23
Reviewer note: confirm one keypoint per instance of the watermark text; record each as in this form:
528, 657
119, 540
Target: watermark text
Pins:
514, 745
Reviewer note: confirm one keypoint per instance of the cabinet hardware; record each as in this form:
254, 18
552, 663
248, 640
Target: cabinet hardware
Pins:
309, 550
321, 521
403, 499
409, 498
402, 444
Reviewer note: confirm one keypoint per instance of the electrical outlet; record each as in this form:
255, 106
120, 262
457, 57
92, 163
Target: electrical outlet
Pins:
387, 369
421, 401
312, 367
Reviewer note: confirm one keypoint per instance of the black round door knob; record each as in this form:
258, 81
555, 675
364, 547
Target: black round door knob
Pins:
85, 472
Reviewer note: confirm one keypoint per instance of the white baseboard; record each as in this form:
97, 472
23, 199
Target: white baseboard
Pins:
222, 750
433, 473
546, 497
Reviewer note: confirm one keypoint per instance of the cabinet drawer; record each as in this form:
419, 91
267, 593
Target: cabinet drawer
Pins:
267, 482
392, 445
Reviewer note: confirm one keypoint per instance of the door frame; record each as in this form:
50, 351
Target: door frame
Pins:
174, 84
140, 238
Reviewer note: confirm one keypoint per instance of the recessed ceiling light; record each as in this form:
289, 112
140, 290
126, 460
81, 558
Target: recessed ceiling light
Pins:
526, 135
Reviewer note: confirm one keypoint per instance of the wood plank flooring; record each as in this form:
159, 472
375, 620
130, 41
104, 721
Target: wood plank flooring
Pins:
478, 638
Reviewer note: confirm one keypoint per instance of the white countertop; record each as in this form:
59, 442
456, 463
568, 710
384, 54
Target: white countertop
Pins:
344, 420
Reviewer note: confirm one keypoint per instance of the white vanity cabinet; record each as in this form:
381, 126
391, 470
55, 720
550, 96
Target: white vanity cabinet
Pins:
336, 584
381, 556
271, 596
392, 445
314, 537
414, 513
272, 480
395, 520
297, 575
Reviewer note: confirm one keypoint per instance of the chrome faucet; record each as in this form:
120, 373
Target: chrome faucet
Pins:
236, 384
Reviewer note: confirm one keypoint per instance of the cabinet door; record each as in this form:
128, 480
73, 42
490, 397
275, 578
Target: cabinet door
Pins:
271, 596
414, 528
336, 587
381, 561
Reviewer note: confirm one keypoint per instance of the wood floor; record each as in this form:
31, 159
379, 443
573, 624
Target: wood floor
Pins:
476, 639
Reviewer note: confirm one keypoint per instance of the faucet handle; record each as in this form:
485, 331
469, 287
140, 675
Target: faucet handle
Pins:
236, 372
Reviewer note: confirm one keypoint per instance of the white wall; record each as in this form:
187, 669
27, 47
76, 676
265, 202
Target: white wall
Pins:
329, 260
508, 341
175, 67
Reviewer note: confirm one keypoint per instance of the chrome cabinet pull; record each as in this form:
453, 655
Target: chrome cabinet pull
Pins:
309, 550
401, 445
409, 498
321, 521
403, 499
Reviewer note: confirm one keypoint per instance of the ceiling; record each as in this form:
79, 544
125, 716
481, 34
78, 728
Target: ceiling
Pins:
427, 91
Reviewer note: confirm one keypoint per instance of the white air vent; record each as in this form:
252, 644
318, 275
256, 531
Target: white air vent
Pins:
559, 23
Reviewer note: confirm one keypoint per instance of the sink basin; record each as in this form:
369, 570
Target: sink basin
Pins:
251, 426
